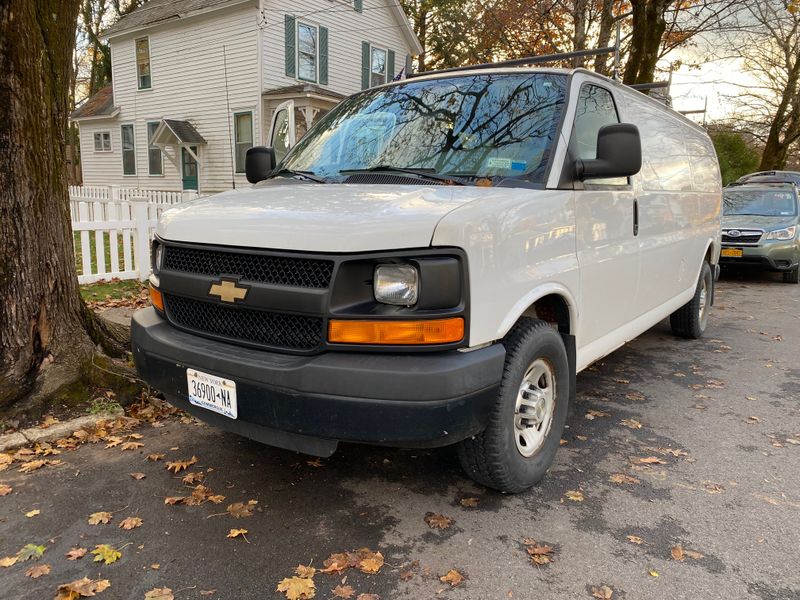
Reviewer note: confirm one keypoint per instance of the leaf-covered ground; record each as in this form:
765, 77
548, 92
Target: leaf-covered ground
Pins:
677, 478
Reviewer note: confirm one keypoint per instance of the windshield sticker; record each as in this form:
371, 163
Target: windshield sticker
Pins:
499, 163
519, 165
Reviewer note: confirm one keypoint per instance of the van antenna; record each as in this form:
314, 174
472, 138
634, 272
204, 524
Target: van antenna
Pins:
228, 104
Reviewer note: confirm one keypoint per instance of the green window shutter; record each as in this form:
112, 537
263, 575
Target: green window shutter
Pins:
365, 66
389, 65
291, 46
358, 5
409, 65
323, 56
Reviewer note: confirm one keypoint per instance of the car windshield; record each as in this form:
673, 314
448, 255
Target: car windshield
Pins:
765, 203
481, 126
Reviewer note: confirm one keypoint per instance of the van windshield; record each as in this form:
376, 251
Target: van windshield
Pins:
480, 126
765, 203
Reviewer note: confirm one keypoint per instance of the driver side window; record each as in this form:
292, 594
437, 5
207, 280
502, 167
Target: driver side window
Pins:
595, 109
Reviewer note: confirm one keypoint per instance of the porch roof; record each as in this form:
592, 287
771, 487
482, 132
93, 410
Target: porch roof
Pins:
303, 90
177, 133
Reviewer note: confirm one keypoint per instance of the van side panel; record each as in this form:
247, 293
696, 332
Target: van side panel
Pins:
521, 246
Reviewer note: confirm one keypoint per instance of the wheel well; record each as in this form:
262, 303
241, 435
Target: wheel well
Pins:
553, 309
709, 254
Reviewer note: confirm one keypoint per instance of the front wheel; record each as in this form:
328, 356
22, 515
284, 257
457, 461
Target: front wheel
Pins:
691, 319
519, 444
792, 276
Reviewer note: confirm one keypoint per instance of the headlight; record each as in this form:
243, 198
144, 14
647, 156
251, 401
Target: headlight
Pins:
158, 253
396, 284
783, 234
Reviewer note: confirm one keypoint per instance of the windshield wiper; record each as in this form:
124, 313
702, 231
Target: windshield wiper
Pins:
421, 173
310, 175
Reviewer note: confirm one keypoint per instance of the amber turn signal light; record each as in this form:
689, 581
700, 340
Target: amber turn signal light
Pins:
156, 299
400, 333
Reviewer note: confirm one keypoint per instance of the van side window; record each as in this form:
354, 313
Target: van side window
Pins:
595, 110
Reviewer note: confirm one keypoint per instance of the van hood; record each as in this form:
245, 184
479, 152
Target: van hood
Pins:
757, 222
314, 217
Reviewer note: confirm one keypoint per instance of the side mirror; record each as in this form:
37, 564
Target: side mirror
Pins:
619, 153
259, 162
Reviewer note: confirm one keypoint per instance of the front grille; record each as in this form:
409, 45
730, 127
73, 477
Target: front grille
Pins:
746, 237
239, 324
262, 268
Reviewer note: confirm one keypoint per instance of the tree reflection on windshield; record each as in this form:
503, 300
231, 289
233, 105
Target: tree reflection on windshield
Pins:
494, 125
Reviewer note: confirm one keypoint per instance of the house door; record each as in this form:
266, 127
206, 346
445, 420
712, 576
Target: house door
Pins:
282, 134
189, 169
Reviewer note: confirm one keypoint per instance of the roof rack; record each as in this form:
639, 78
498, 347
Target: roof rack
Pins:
520, 62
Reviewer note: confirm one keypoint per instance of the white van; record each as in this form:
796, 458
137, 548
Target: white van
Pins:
433, 263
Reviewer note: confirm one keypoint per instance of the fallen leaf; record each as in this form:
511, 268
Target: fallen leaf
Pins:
635, 396
106, 554
344, 591
336, 563
208, 592
130, 523
305, 571
155, 566
713, 488
159, 594
406, 575
370, 562
30, 552
155, 457
33, 513
5, 490
174, 499
595, 414
181, 465
297, 588
635, 539
8, 561
622, 478
437, 521
132, 446
677, 553
234, 533
603, 592
693, 554
138, 476
575, 495
653, 573
242, 509
582, 438
81, 588
76, 553
453, 577
315, 462
192, 478
651, 460
469, 502
32, 465
5, 460
752, 419
99, 517
631, 423
540, 554
37, 571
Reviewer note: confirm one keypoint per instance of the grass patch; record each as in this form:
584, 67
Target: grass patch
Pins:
112, 290
103, 404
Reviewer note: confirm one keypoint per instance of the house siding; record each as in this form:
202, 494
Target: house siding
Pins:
347, 29
188, 83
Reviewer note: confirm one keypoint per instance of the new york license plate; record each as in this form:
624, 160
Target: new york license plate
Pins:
731, 252
212, 392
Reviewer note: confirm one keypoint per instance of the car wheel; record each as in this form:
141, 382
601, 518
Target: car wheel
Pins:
527, 420
691, 319
792, 276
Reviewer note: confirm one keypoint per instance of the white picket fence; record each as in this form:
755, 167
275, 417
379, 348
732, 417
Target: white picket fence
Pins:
114, 227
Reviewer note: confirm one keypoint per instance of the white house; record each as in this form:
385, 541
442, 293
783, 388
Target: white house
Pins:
198, 82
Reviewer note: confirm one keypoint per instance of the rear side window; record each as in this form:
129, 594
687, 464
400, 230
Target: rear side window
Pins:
596, 109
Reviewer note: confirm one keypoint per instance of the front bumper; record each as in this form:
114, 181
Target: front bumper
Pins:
769, 255
310, 403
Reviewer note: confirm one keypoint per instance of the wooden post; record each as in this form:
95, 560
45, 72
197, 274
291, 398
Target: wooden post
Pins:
141, 247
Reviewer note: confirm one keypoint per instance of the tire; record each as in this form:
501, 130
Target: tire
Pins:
691, 319
493, 457
792, 276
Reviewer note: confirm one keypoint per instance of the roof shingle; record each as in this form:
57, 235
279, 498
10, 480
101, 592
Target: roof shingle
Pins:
157, 11
99, 105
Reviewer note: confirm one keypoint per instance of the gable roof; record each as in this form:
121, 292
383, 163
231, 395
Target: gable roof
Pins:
183, 132
159, 11
99, 105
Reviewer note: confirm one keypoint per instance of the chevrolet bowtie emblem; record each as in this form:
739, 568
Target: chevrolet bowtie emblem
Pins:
228, 291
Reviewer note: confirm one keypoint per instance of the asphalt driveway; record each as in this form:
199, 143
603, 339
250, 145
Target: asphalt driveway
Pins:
677, 478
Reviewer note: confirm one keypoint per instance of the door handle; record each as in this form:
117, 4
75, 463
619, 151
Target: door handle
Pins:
635, 217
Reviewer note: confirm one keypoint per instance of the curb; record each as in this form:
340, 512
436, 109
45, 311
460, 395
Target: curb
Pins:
32, 435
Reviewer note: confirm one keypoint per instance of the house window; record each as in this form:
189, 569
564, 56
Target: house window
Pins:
378, 67
128, 150
307, 52
243, 137
155, 161
143, 63
102, 141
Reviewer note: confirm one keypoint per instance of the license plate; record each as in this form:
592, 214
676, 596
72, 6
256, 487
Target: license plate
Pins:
212, 392
731, 252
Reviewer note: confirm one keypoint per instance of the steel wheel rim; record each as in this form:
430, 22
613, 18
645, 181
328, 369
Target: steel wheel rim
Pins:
534, 408
702, 308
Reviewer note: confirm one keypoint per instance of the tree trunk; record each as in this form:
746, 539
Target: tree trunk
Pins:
44, 339
601, 62
649, 26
